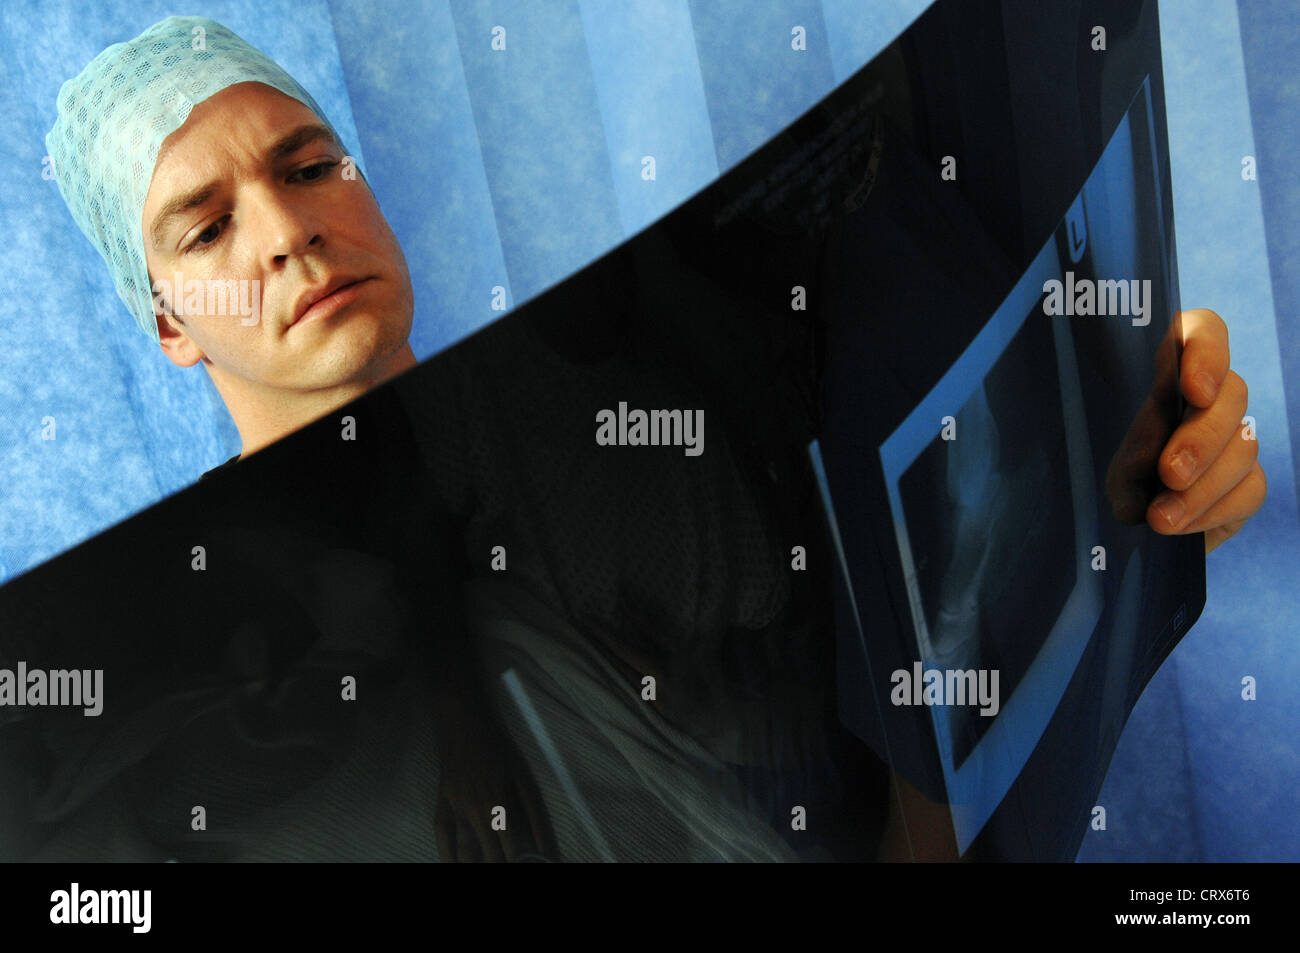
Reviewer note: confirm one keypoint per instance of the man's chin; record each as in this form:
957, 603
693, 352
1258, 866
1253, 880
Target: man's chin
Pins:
366, 360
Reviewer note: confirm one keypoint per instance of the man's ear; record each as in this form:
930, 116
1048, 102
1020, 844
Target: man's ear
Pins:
175, 343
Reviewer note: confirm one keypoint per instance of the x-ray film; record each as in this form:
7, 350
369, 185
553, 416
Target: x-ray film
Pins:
829, 484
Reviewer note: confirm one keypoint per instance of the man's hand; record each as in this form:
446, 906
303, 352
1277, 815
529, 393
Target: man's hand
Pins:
1210, 465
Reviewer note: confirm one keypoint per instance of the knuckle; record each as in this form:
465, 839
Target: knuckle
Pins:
1261, 479
1235, 384
1203, 436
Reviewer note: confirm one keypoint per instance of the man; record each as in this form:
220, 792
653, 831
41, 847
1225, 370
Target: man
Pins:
275, 270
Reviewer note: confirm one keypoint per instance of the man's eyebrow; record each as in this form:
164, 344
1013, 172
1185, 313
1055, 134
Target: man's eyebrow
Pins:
293, 141
286, 145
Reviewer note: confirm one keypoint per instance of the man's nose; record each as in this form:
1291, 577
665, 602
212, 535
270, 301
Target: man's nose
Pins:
286, 226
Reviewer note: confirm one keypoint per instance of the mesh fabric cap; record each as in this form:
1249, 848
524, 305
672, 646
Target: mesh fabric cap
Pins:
114, 116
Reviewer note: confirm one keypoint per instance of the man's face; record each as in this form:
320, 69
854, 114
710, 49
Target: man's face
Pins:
255, 208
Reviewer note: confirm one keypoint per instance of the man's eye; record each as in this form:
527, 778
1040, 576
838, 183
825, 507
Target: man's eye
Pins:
199, 244
321, 169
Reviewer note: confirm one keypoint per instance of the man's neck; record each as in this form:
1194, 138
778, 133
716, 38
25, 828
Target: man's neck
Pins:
263, 419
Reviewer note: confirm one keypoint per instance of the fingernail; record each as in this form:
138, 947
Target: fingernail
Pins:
1205, 384
1184, 465
1171, 508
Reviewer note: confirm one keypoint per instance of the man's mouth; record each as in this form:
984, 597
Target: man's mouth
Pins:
324, 300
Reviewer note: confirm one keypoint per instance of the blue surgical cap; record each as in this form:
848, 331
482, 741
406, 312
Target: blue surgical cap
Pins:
114, 116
